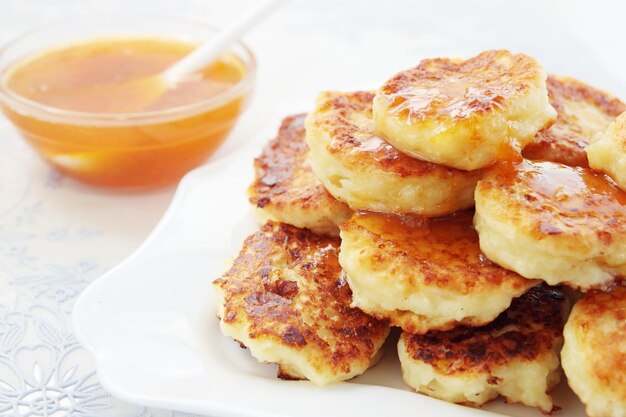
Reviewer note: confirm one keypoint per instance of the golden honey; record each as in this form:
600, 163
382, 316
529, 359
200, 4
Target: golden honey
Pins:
105, 121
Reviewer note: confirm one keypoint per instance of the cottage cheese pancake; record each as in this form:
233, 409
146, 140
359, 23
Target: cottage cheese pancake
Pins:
363, 170
583, 111
608, 151
554, 222
465, 114
594, 353
424, 274
286, 190
516, 356
286, 300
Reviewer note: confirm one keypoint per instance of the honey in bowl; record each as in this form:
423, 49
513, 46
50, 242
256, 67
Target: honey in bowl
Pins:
107, 123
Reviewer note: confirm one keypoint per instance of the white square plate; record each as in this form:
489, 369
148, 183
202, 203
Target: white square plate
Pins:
150, 323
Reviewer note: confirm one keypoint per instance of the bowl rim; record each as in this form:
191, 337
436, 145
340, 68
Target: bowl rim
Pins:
23, 105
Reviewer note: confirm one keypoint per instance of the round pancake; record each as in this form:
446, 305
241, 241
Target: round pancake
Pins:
465, 114
582, 111
608, 151
286, 190
554, 222
285, 299
516, 356
360, 168
594, 353
424, 274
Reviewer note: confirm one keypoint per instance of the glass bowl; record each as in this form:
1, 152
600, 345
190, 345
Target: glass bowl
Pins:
101, 148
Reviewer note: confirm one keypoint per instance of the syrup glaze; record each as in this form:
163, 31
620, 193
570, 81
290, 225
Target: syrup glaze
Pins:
456, 89
562, 199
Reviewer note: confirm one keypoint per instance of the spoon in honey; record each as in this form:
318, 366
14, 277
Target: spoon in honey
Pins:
140, 93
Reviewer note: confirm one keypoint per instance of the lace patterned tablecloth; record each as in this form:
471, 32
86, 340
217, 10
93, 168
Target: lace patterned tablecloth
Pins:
56, 236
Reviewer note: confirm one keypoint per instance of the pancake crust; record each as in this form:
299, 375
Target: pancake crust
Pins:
360, 168
608, 151
516, 356
554, 222
424, 274
465, 114
594, 353
286, 300
583, 111
286, 190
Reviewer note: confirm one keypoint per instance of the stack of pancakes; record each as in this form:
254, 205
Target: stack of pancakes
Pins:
456, 202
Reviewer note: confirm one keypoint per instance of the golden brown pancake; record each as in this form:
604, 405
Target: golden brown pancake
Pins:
554, 222
286, 300
582, 112
594, 353
424, 274
363, 170
608, 151
285, 188
516, 356
465, 114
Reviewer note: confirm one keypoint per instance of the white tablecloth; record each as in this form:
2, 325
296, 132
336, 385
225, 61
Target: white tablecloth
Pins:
56, 235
